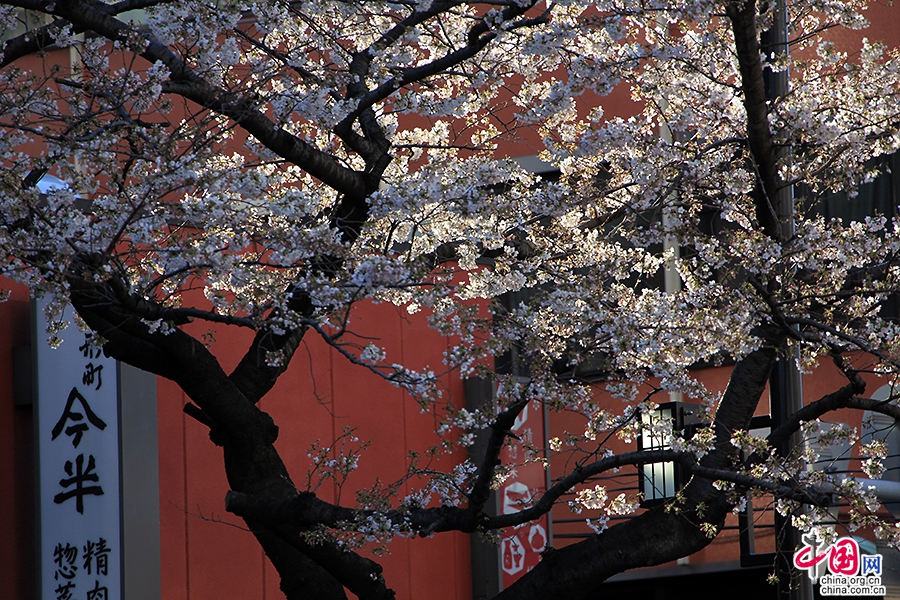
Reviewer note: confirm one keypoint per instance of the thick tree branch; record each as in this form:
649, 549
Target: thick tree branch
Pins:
842, 398
759, 136
809, 496
247, 434
174, 355
301, 577
500, 429
362, 576
306, 510
40, 39
256, 373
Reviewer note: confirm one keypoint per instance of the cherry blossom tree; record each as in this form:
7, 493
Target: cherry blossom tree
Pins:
292, 159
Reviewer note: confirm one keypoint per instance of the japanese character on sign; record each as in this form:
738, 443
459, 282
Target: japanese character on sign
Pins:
69, 414
64, 591
98, 593
88, 350
77, 429
78, 479
92, 372
95, 555
64, 557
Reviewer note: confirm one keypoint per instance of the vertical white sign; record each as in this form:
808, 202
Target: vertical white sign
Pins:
78, 465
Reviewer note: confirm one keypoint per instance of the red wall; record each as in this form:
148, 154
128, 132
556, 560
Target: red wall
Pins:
206, 554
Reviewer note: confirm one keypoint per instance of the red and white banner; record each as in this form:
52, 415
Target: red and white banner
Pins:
521, 546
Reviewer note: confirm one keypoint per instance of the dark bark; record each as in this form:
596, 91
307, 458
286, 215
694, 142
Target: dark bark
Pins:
253, 375
307, 510
301, 578
40, 39
500, 430
762, 147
